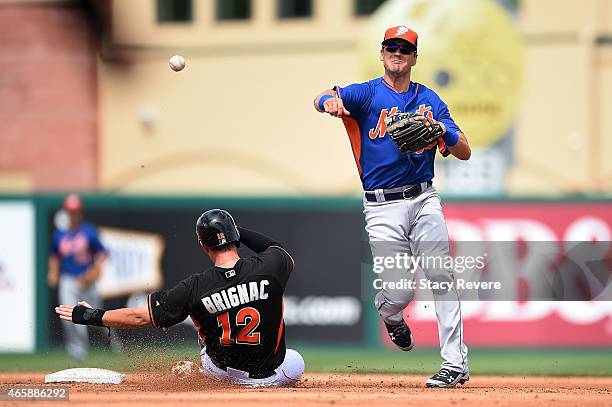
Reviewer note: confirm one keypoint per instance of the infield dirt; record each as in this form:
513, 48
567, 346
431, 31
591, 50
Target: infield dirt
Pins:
354, 389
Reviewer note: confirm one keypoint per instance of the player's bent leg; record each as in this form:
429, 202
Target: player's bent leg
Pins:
291, 370
394, 293
390, 304
387, 225
287, 374
210, 369
391, 313
390, 275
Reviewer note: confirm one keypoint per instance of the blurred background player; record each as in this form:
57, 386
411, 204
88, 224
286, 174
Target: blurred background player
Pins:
75, 264
236, 306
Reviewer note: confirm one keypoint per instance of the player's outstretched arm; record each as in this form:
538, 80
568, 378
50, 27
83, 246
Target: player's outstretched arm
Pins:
329, 102
84, 314
127, 318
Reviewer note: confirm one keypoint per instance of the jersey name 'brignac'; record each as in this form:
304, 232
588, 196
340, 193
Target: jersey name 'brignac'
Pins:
379, 162
235, 296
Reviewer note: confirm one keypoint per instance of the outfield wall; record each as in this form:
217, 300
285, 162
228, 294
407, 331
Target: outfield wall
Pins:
328, 299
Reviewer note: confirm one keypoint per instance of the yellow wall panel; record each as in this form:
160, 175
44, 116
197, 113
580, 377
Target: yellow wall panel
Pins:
258, 107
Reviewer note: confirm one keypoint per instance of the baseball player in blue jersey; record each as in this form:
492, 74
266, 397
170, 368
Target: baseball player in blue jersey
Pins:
75, 264
401, 207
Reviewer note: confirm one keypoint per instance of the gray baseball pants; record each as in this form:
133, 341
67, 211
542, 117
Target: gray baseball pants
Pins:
417, 227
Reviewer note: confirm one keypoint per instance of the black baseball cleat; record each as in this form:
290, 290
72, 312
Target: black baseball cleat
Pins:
447, 378
400, 335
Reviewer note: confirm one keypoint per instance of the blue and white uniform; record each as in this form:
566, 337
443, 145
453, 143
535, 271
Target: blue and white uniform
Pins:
380, 163
76, 250
414, 223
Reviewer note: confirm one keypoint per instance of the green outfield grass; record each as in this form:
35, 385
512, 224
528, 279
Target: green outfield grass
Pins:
482, 361
562, 362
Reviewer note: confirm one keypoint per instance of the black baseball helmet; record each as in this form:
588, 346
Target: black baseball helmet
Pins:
216, 227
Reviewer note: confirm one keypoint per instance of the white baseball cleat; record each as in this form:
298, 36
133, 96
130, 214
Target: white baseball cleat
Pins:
447, 378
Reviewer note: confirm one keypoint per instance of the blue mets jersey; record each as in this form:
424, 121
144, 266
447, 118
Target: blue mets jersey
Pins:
379, 162
76, 248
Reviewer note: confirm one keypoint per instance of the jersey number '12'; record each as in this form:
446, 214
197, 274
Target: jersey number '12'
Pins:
247, 317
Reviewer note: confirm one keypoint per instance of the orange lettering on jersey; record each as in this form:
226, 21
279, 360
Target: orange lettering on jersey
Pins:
381, 129
423, 110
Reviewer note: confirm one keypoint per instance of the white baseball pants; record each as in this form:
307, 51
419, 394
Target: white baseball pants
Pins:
417, 227
287, 374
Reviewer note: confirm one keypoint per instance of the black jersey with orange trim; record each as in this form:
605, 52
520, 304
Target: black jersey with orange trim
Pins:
238, 311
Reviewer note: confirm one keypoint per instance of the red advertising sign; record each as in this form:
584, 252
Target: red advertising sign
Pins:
528, 323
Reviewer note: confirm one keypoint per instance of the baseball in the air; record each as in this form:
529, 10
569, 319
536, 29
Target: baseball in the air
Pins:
177, 63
